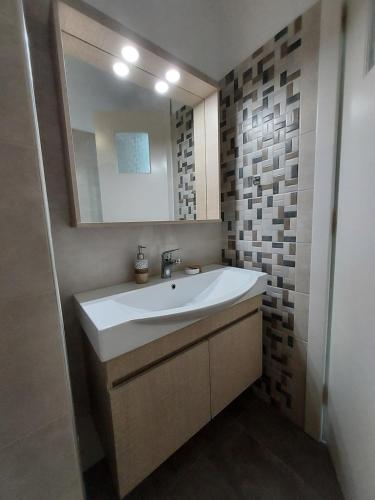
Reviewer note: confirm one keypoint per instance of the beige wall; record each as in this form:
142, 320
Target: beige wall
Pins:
92, 258
38, 458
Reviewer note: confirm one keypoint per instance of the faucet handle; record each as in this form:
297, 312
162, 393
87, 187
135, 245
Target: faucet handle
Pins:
167, 253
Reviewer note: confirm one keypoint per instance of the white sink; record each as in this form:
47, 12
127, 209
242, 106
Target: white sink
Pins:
120, 321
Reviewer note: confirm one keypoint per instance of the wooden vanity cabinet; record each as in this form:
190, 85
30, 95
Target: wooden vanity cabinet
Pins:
235, 360
150, 401
157, 411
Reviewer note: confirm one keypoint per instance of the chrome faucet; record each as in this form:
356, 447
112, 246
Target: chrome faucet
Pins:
167, 263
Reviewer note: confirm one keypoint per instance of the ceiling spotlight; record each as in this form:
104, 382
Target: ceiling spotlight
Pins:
161, 87
120, 69
172, 75
130, 53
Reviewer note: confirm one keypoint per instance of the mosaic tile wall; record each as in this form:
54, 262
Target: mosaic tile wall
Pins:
261, 110
184, 133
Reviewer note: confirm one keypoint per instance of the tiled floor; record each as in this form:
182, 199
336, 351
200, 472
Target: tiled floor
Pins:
247, 452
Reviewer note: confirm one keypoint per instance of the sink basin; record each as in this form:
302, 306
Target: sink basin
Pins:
119, 322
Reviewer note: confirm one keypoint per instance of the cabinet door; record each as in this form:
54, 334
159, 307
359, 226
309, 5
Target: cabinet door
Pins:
235, 360
157, 411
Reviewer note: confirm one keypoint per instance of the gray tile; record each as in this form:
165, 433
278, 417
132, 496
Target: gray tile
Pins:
303, 259
301, 315
308, 458
252, 470
41, 466
201, 480
304, 220
33, 387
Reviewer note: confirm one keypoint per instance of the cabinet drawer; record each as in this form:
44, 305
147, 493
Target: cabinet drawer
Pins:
235, 360
157, 411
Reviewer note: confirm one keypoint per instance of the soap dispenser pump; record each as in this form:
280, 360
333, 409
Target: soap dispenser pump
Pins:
141, 266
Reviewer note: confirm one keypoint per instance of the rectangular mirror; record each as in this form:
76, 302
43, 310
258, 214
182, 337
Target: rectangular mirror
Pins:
140, 148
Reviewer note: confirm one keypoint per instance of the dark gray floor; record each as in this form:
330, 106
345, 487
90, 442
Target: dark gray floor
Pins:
249, 451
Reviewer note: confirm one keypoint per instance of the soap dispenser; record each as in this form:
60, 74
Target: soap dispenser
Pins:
141, 266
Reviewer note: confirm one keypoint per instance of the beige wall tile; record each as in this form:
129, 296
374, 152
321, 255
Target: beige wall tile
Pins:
16, 125
306, 161
25, 269
303, 258
37, 454
33, 388
309, 69
301, 315
42, 466
308, 105
304, 216
93, 258
8, 9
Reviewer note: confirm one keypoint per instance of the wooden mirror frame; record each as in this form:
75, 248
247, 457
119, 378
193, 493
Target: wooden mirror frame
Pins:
77, 19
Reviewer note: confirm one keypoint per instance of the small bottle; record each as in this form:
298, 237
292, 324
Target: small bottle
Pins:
141, 266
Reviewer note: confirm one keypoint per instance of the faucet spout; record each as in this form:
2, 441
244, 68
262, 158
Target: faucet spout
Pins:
167, 263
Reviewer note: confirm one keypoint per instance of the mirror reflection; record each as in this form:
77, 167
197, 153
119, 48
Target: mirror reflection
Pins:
133, 147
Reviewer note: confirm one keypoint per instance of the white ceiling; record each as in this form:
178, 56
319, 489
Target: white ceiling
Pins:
211, 35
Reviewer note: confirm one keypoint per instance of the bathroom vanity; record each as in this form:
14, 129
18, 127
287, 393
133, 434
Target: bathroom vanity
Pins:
194, 359
141, 131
